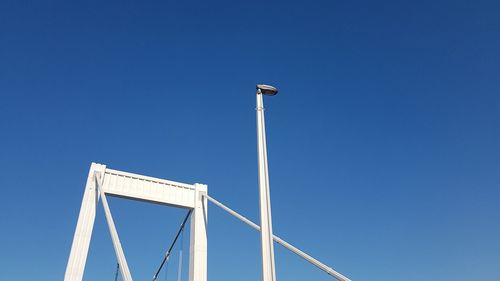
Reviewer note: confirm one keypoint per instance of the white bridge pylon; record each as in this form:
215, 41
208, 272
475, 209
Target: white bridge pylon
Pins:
103, 181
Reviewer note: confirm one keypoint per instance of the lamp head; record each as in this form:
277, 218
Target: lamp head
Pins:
267, 90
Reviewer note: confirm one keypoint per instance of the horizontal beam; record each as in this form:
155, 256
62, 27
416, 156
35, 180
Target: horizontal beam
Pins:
144, 188
285, 244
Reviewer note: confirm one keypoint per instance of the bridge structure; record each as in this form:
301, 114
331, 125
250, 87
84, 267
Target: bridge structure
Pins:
103, 182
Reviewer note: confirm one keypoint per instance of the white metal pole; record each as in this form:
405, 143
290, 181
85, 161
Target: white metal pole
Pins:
268, 270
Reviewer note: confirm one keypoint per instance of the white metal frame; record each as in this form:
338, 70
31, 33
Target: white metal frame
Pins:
103, 181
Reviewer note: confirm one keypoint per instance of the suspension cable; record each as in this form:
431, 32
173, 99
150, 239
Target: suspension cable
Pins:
166, 271
167, 254
181, 248
117, 270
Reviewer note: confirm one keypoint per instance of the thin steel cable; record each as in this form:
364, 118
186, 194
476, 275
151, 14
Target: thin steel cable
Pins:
166, 272
181, 248
117, 270
167, 254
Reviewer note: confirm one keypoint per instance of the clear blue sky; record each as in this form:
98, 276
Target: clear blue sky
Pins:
384, 141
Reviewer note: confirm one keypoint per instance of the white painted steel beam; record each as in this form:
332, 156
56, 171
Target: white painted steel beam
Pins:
154, 190
285, 244
120, 256
84, 227
198, 236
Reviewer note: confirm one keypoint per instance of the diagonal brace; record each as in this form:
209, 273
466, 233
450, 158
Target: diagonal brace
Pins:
120, 256
285, 244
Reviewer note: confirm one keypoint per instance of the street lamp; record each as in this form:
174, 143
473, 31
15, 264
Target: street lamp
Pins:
266, 90
266, 232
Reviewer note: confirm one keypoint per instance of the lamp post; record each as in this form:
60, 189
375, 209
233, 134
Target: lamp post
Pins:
266, 233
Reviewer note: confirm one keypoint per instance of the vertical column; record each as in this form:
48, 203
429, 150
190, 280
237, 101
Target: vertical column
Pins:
198, 237
266, 233
84, 227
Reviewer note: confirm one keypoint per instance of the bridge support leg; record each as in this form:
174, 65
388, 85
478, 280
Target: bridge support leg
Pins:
86, 218
198, 239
